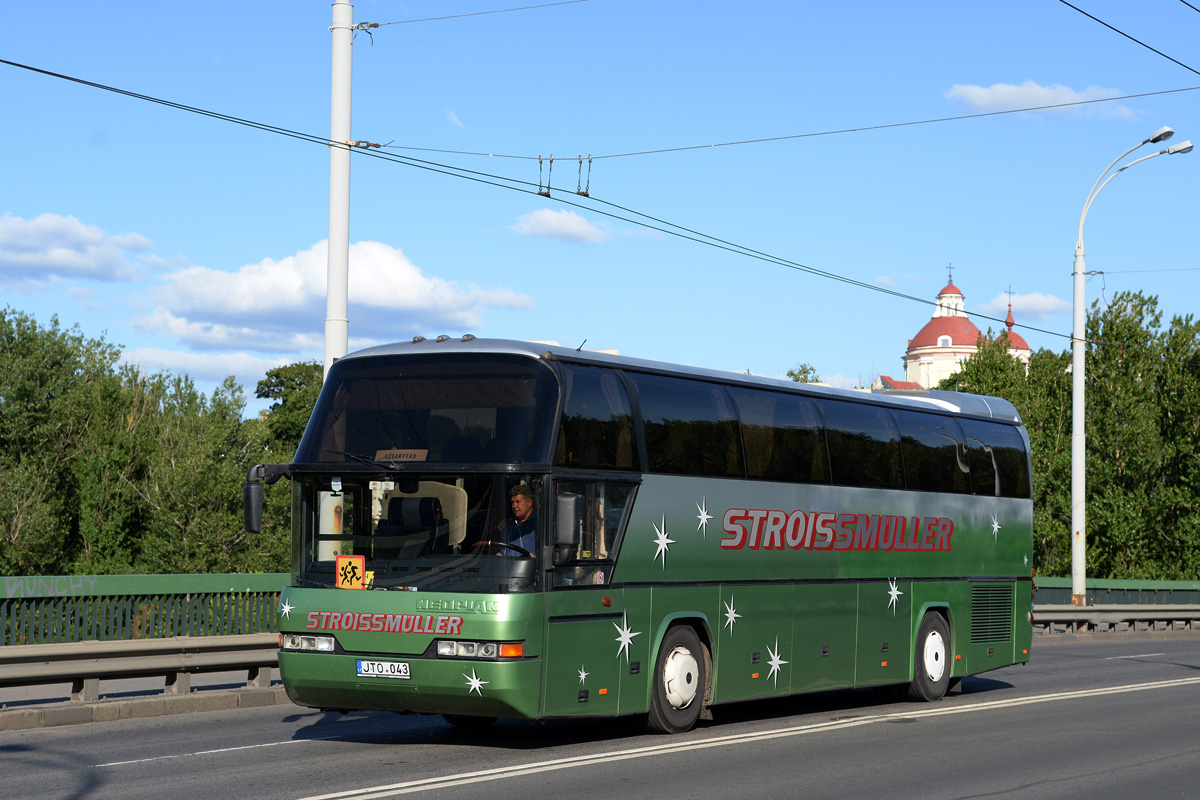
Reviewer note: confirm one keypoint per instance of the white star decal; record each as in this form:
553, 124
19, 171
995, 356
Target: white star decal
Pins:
894, 593
730, 615
582, 674
285, 608
474, 682
776, 662
995, 526
662, 541
703, 516
626, 637
1026, 560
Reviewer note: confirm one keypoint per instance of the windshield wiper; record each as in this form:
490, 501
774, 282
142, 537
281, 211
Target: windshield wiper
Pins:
370, 462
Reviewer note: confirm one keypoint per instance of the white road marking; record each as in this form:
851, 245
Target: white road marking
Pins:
1144, 655
220, 750
462, 779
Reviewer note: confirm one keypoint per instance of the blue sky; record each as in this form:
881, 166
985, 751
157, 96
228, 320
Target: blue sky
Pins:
199, 245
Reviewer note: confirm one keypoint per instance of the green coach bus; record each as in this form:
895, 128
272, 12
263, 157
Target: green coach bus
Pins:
486, 528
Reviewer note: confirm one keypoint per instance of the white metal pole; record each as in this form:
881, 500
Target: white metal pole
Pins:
336, 320
1078, 349
1078, 442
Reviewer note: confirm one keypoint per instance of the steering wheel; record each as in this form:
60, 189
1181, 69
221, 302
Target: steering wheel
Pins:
501, 545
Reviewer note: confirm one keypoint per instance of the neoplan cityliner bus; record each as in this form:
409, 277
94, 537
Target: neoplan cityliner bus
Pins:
702, 537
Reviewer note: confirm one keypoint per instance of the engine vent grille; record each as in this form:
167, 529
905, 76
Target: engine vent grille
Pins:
991, 613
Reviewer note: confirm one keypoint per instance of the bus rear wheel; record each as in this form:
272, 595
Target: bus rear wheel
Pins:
679, 682
931, 673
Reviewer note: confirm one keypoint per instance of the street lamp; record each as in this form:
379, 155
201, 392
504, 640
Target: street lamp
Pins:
1078, 452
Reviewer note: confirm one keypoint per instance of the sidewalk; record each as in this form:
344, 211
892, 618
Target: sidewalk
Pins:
25, 707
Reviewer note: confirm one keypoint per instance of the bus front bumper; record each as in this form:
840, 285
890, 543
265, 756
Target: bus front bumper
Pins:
434, 686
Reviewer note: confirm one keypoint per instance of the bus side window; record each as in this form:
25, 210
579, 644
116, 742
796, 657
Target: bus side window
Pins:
602, 507
935, 457
998, 453
864, 445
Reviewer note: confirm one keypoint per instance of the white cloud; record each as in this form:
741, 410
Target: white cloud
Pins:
203, 366
1006, 96
215, 336
561, 224
54, 246
1035, 307
279, 305
454, 120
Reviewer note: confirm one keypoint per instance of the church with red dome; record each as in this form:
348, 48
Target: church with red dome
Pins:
947, 340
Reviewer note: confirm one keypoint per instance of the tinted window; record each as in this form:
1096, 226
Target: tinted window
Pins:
456, 408
690, 427
999, 463
935, 457
783, 435
864, 445
596, 429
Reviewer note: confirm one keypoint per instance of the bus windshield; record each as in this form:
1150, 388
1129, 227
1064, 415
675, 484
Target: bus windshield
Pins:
446, 409
428, 532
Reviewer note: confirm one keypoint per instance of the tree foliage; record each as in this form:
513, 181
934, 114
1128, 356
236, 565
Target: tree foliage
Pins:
1142, 388
804, 373
104, 469
294, 388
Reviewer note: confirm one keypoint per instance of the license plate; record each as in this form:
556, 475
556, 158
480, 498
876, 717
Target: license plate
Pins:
383, 669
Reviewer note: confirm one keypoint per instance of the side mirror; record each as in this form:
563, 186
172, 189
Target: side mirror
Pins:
568, 521
252, 492
252, 499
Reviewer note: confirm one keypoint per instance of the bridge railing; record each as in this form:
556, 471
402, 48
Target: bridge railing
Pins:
74, 608
83, 629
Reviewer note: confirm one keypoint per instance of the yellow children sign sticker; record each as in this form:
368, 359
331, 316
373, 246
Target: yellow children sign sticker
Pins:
351, 572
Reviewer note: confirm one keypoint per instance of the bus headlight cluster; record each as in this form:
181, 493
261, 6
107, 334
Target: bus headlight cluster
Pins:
295, 641
458, 649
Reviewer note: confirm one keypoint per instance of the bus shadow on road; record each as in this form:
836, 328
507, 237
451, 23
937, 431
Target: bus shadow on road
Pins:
383, 728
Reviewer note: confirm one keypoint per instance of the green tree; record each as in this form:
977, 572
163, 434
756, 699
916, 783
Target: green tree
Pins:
804, 373
52, 390
294, 388
1041, 395
104, 469
1143, 440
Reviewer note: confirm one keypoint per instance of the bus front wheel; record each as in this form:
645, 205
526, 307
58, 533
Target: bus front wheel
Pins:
679, 682
931, 673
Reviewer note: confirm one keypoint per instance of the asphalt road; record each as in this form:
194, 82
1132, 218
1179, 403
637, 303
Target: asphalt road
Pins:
1095, 720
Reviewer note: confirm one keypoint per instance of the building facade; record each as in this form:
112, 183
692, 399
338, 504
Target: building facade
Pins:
945, 342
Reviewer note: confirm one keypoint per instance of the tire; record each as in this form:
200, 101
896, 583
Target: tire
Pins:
464, 721
679, 682
931, 672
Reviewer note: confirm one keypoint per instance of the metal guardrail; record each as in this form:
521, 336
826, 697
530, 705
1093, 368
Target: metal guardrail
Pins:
1117, 619
1112, 591
85, 664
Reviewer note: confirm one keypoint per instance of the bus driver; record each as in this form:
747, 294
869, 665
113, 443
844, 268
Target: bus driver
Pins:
521, 530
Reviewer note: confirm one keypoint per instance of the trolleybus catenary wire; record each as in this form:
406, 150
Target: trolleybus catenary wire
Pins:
514, 184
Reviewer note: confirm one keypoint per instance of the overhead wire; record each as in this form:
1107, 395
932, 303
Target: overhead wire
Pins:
514, 184
1130, 38
832, 132
478, 13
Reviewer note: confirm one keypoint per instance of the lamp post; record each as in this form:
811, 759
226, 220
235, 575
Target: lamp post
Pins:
1078, 451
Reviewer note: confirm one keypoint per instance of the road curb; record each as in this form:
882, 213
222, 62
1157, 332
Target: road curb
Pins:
77, 713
